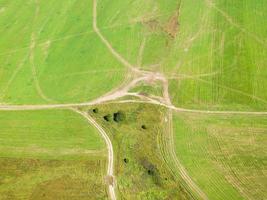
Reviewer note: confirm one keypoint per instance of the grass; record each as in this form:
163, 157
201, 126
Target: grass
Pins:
214, 57
139, 165
47, 134
145, 89
225, 155
25, 178
50, 154
136, 24
224, 44
67, 56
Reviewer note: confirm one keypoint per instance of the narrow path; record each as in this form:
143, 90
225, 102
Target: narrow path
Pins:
32, 55
110, 167
34, 72
110, 100
106, 42
178, 164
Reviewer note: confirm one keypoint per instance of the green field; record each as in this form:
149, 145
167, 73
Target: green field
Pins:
57, 56
218, 59
225, 155
49, 154
47, 134
24, 178
147, 64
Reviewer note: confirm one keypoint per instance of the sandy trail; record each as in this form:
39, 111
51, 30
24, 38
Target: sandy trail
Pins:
104, 135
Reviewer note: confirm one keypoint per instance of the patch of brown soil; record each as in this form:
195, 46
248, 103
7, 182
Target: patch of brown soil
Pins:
172, 25
109, 180
152, 25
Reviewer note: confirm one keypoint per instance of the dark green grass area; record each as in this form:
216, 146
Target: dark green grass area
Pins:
25, 178
140, 169
224, 155
148, 90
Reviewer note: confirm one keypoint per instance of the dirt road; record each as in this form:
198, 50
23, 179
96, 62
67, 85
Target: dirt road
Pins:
104, 135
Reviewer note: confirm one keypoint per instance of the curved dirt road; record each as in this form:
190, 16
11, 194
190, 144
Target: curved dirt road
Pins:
104, 135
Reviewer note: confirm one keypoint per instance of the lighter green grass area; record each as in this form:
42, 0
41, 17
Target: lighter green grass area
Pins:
67, 62
222, 51
225, 156
131, 35
48, 135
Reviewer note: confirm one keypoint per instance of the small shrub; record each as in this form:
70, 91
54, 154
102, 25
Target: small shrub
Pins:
95, 110
143, 127
107, 117
118, 116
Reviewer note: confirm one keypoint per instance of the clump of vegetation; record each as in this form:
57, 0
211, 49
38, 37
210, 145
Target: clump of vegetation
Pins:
118, 116
151, 170
139, 153
148, 166
95, 110
107, 117
143, 126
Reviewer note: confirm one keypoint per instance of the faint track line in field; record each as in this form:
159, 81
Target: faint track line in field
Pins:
104, 135
185, 76
34, 73
236, 181
14, 74
193, 186
231, 21
229, 88
33, 67
106, 42
141, 52
56, 77
66, 37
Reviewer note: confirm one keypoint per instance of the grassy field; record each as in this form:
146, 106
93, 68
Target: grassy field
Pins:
141, 29
47, 134
218, 59
225, 155
50, 154
31, 178
213, 54
56, 58
140, 169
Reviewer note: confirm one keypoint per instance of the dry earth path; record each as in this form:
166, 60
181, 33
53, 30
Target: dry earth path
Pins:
110, 168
